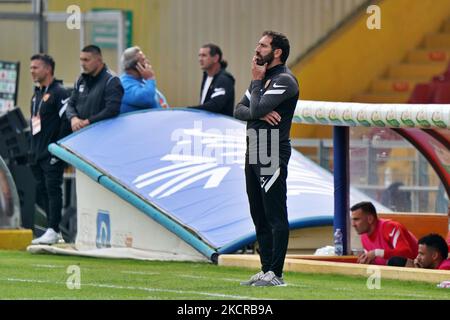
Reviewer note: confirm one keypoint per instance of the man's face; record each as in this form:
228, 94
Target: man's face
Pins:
361, 221
426, 256
205, 59
263, 51
39, 70
142, 59
90, 62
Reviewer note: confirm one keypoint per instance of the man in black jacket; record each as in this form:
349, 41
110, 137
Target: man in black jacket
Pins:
217, 91
268, 107
97, 94
48, 124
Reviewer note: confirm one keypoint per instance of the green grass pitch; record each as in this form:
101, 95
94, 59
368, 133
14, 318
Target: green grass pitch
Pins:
27, 276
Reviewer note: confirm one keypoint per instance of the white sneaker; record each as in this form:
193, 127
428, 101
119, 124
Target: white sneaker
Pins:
49, 237
270, 280
253, 279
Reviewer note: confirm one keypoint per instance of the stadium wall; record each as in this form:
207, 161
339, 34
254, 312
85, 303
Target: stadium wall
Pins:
171, 32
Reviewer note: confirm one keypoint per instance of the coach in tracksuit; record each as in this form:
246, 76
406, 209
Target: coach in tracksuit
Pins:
217, 91
268, 107
48, 125
97, 94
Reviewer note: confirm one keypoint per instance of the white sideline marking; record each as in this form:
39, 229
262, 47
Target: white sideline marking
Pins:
49, 266
141, 272
205, 278
111, 286
174, 275
208, 278
181, 276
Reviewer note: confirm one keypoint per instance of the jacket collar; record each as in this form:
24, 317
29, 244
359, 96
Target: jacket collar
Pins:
55, 81
98, 76
279, 68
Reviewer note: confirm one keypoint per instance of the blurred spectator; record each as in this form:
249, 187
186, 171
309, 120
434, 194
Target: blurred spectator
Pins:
138, 81
217, 91
396, 199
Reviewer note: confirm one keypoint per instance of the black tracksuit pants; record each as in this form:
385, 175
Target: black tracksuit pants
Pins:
49, 178
267, 198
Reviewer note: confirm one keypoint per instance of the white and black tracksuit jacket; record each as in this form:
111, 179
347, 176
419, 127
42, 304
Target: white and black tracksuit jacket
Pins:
220, 95
265, 182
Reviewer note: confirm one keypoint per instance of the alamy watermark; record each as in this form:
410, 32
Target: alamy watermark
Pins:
374, 280
227, 146
374, 20
74, 279
73, 22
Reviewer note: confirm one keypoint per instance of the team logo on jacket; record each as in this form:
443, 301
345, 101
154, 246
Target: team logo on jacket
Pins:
218, 92
262, 181
278, 86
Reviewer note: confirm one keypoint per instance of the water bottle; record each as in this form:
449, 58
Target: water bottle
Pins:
338, 243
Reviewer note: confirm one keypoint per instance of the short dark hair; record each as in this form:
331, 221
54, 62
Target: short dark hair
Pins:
215, 50
436, 242
47, 59
279, 41
92, 49
365, 206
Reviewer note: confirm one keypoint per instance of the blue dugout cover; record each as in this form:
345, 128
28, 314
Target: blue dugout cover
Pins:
189, 165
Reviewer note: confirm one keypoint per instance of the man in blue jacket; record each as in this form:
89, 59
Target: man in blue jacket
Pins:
138, 82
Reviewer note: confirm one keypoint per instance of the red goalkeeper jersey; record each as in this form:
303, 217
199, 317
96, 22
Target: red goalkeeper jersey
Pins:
390, 239
445, 265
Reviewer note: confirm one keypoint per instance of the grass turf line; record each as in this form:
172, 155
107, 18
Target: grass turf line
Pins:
27, 276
